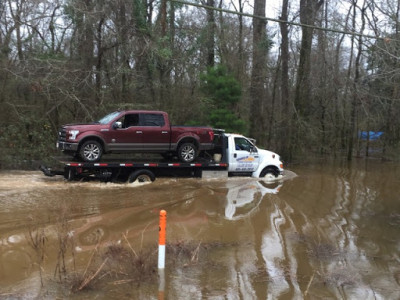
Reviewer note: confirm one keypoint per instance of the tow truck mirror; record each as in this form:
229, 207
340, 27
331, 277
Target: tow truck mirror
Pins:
117, 125
253, 149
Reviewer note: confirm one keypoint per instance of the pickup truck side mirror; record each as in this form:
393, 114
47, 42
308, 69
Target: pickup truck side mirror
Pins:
117, 125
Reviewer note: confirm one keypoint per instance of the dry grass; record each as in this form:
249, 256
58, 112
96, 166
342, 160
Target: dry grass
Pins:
323, 251
115, 263
338, 278
121, 264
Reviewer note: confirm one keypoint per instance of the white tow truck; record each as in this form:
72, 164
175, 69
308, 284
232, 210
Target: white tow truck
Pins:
244, 158
232, 155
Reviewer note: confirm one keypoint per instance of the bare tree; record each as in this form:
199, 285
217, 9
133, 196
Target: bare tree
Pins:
308, 15
259, 64
355, 98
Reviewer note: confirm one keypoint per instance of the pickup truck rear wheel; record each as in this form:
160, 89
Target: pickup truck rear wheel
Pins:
187, 152
91, 151
141, 176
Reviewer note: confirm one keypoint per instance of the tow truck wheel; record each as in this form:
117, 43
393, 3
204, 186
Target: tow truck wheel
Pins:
69, 174
269, 173
187, 152
141, 176
91, 151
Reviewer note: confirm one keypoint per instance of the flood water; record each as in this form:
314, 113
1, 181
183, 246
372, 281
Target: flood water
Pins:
322, 231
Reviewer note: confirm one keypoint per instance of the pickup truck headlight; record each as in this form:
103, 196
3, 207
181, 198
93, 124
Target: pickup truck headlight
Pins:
73, 134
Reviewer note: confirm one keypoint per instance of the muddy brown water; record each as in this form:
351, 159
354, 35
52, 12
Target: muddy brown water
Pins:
322, 231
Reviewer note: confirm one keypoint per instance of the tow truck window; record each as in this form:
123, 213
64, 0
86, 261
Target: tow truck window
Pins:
243, 144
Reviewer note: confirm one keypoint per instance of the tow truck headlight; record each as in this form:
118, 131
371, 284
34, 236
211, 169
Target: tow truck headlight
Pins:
73, 134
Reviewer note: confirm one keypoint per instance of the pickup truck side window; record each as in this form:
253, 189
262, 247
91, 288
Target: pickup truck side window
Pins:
129, 120
152, 120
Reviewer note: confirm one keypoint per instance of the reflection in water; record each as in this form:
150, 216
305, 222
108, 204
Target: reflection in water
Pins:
332, 232
243, 199
280, 261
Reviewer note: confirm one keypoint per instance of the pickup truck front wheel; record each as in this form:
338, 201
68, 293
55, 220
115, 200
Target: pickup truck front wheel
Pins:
187, 152
91, 151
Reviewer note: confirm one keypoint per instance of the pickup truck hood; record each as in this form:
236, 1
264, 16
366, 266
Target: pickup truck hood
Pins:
85, 127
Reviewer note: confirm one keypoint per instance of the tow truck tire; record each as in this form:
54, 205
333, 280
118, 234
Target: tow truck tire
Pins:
187, 152
91, 151
141, 176
69, 174
269, 173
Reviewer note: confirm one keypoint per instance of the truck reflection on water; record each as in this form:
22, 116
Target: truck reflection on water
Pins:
243, 200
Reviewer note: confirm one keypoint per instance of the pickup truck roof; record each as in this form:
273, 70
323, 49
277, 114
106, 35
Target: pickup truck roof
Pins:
142, 111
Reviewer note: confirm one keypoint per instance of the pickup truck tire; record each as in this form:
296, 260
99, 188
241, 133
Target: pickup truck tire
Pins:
91, 151
269, 173
141, 176
187, 152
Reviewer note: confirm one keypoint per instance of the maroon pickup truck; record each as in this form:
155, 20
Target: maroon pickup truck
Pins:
134, 131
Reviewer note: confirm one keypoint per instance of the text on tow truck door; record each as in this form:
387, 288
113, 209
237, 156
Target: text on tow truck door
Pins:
243, 155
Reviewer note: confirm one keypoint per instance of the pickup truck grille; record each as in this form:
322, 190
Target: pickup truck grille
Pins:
62, 135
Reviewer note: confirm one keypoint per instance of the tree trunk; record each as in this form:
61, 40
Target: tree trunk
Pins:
355, 100
257, 91
286, 106
285, 56
210, 42
308, 13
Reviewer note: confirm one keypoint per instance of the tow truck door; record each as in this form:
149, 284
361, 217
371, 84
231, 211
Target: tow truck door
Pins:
243, 155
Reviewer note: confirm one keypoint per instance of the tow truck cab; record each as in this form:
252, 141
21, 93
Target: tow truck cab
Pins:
245, 158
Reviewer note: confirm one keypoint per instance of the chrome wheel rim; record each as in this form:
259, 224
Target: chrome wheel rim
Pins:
143, 178
188, 153
270, 176
91, 152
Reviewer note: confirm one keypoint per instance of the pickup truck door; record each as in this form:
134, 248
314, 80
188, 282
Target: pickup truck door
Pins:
156, 132
243, 156
125, 134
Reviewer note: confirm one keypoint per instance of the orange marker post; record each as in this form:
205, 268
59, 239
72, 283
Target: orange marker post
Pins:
161, 239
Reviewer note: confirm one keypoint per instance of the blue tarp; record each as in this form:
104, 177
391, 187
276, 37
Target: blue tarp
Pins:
373, 135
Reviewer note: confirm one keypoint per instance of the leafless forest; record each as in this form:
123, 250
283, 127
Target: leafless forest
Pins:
303, 82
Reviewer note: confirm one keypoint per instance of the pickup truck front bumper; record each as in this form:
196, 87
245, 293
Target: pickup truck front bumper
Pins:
67, 147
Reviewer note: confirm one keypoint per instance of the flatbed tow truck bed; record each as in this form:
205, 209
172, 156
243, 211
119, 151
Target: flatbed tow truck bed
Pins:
135, 170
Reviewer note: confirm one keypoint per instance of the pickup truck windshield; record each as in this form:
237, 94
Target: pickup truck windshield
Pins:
108, 118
